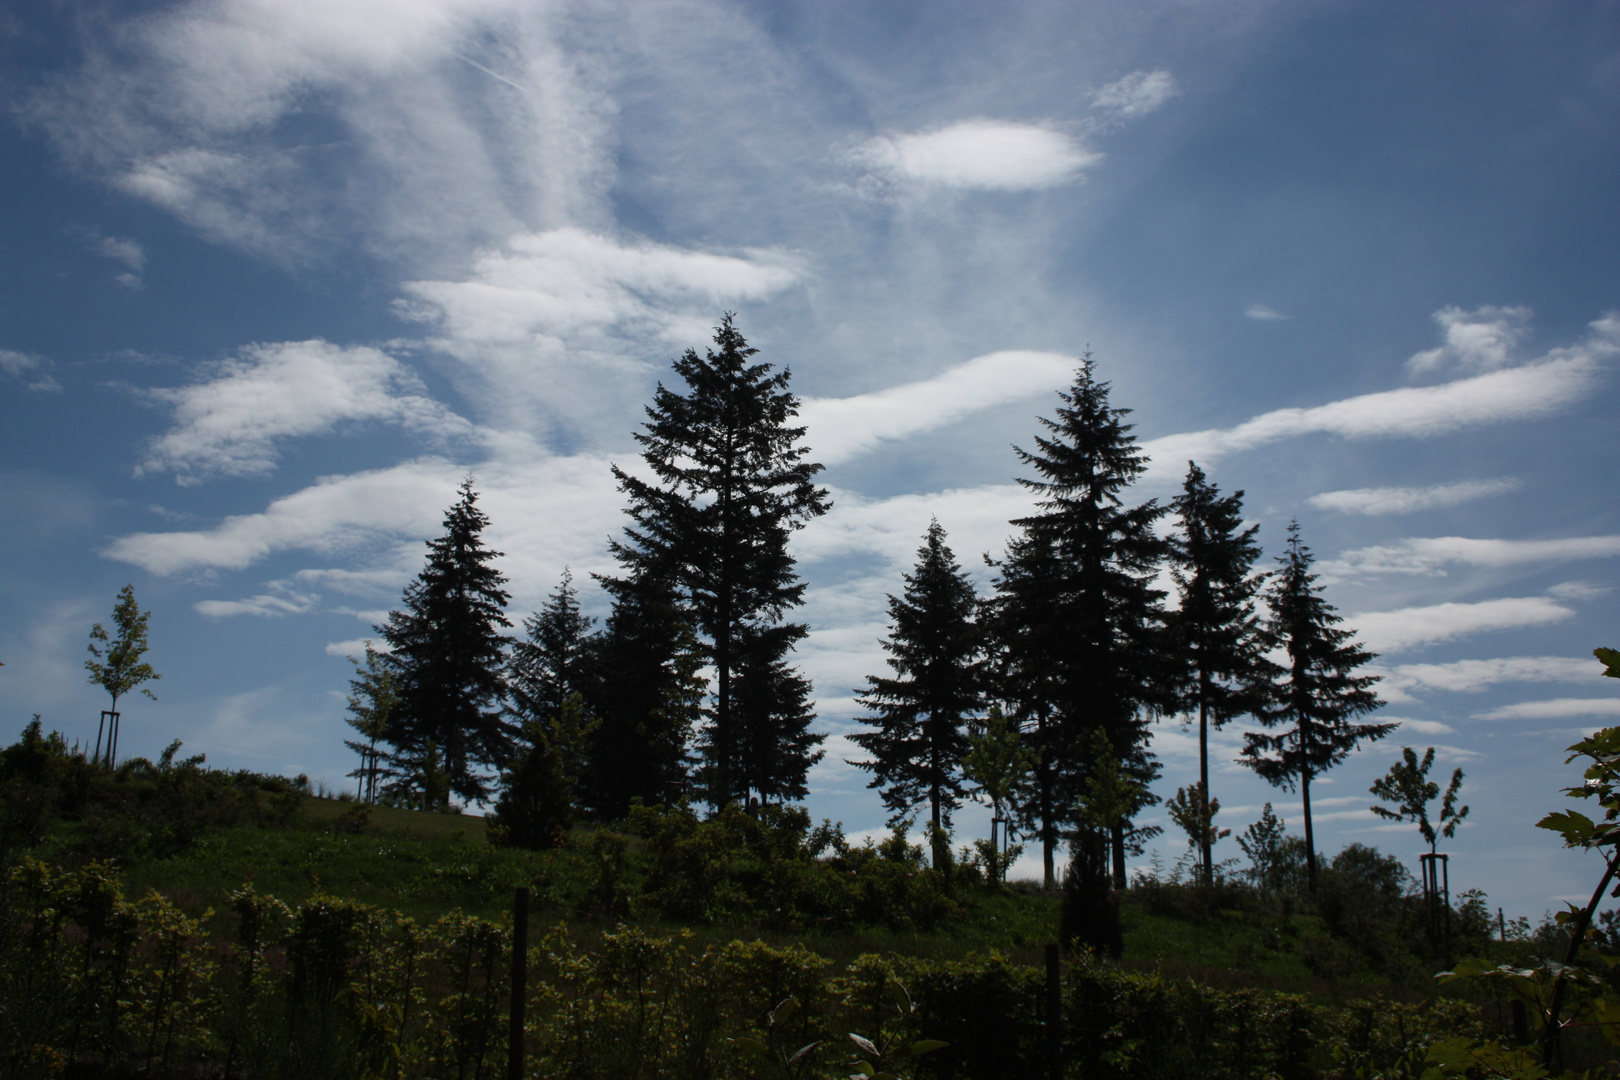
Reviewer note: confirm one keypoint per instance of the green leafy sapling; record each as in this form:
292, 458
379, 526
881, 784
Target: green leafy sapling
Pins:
1407, 786
881, 1058
123, 670
999, 763
375, 690
1544, 987
770, 1045
1263, 843
1195, 815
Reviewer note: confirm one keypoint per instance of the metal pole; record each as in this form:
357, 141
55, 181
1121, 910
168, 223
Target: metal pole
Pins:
1054, 1015
520, 979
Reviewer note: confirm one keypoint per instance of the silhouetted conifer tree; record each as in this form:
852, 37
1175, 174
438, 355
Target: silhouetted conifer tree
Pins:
732, 485
1215, 634
538, 799
448, 656
1320, 694
548, 664
642, 685
773, 711
1076, 591
919, 731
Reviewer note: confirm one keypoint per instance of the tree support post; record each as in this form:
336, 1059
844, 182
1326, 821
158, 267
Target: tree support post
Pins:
520, 979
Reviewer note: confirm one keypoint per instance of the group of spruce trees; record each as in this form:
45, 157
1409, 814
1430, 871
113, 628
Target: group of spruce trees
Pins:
687, 690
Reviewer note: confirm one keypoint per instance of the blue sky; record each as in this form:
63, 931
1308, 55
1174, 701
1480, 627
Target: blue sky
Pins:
274, 276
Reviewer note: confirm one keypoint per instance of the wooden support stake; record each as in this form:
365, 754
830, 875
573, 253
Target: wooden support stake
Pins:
520, 979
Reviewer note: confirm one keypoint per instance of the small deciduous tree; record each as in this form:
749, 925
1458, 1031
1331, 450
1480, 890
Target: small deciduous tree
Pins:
1194, 812
371, 700
1089, 915
999, 764
117, 666
1320, 695
1265, 843
1408, 788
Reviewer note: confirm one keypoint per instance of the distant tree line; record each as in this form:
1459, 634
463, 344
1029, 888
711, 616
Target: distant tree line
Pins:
1039, 696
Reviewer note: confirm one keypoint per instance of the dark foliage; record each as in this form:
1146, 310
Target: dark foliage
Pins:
1214, 631
1076, 613
449, 658
773, 710
1310, 724
538, 799
732, 486
1089, 919
550, 662
919, 731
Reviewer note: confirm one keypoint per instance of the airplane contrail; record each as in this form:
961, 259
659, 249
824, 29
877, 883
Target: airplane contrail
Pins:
486, 71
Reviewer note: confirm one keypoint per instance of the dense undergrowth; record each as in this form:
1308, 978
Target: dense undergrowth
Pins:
171, 920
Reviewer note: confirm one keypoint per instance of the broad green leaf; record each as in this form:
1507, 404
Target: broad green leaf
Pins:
1611, 661
928, 1046
1575, 828
753, 1046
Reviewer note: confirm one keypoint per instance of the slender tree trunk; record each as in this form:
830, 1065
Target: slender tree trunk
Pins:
1203, 771
1310, 836
1119, 854
723, 735
1043, 778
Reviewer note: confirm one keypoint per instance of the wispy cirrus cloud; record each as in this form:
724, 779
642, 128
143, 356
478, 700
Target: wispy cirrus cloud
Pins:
843, 428
1432, 554
29, 370
1475, 676
1406, 500
280, 601
556, 327
1263, 313
231, 422
1561, 378
1406, 628
1137, 94
1555, 709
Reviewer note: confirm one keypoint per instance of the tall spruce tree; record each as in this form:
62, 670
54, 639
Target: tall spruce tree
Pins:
548, 664
1077, 589
1320, 694
449, 659
1215, 632
919, 730
732, 485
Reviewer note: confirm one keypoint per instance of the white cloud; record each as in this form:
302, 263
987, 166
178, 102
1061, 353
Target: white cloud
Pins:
1392, 631
125, 250
1554, 709
1578, 590
1405, 500
1480, 340
1472, 676
336, 513
1421, 727
1429, 555
198, 109
281, 602
1262, 313
355, 649
843, 428
1560, 379
28, 370
229, 423
1137, 94
985, 155
558, 325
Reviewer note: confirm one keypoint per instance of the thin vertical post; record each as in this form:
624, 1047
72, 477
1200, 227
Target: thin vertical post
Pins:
1054, 1015
520, 979
112, 744
1501, 926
